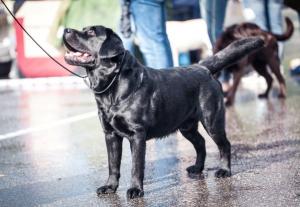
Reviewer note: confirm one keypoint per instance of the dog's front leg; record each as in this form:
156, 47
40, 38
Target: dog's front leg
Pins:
138, 151
114, 152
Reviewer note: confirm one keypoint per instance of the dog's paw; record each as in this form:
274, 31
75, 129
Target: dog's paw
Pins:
194, 169
222, 173
195, 172
134, 193
106, 189
262, 95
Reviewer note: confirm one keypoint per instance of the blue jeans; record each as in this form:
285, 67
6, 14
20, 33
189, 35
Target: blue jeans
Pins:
268, 16
213, 11
150, 31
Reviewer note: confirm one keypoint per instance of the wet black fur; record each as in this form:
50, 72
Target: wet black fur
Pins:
145, 103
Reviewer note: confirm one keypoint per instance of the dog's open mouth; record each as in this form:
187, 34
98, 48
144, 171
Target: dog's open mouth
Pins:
76, 57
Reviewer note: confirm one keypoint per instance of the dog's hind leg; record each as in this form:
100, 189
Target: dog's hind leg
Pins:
224, 147
237, 76
274, 64
190, 132
262, 70
214, 123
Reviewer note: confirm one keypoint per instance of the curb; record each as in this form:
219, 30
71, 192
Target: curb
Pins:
42, 83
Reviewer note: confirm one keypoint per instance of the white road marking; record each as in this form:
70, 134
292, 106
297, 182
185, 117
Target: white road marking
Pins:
68, 121
49, 125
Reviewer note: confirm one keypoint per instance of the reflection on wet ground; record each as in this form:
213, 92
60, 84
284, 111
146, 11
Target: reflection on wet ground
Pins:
52, 153
63, 164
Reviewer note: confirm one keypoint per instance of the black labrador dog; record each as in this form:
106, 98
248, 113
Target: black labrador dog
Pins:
141, 103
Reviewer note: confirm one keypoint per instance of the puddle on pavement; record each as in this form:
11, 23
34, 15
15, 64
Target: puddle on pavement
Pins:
64, 166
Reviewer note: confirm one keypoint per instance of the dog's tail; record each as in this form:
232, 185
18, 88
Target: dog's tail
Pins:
288, 33
232, 53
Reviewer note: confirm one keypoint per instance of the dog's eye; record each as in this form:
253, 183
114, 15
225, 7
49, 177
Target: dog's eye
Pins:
105, 60
91, 32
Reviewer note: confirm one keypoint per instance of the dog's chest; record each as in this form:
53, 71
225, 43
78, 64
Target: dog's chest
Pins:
115, 119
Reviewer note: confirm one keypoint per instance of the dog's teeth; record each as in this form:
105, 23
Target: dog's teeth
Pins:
78, 54
86, 55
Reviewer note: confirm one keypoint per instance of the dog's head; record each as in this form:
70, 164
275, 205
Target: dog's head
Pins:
89, 47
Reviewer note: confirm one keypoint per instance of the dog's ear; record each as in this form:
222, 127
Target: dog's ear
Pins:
112, 45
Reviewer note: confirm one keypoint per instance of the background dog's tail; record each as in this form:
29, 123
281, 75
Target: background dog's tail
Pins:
232, 53
288, 33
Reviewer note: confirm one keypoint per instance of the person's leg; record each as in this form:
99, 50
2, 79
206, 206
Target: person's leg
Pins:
213, 11
275, 17
220, 12
128, 43
5, 69
150, 30
206, 14
126, 28
259, 10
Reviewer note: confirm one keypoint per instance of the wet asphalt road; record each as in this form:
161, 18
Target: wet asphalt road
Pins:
52, 153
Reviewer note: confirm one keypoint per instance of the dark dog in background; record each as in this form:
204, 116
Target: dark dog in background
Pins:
260, 60
141, 103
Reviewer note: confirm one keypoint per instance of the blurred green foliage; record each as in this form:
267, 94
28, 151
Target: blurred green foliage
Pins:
81, 13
